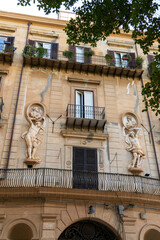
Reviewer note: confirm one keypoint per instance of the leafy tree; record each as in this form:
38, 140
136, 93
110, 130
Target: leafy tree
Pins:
151, 90
97, 19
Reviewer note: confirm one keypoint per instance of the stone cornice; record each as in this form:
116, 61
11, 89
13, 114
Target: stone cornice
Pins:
63, 194
32, 19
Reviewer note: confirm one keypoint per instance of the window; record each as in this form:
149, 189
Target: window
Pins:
46, 46
118, 60
52, 48
85, 175
79, 54
6, 43
84, 104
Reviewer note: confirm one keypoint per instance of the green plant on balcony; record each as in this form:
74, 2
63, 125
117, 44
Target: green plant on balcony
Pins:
68, 54
109, 58
9, 50
127, 57
150, 68
88, 53
33, 51
41, 52
29, 51
139, 62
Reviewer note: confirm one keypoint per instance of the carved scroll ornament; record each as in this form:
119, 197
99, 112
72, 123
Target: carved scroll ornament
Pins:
131, 134
35, 115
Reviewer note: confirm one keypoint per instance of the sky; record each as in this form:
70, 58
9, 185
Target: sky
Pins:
11, 6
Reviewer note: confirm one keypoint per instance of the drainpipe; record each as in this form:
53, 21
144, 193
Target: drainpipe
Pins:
150, 127
16, 107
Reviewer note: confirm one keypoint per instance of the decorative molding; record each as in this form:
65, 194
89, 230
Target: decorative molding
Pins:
131, 131
84, 135
120, 43
7, 29
35, 115
2, 71
46, 34
84, 80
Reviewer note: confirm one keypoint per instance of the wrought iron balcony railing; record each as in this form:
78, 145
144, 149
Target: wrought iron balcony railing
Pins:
96, 59
60, 178
83, 111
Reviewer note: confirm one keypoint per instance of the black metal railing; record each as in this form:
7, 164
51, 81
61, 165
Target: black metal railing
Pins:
60, 178
83, 111
97, 60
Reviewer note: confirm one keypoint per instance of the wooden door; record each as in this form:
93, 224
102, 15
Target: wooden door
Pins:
85, 175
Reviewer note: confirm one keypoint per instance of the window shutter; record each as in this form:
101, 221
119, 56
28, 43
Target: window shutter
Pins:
78, 159
10, 41
112, 53
31, 42
131, 64
87, 59
54, 50
150, 58
73, 49
85, 175
91, 160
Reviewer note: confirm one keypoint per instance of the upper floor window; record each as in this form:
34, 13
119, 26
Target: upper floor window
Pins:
51, 49
79, 54
122, 59
6, 44
84, 104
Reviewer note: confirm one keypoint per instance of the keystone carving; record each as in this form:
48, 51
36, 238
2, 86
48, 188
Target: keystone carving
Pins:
35, 115
131, 134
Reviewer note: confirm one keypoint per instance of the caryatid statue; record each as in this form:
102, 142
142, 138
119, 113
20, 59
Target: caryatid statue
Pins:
131, 133
35, 115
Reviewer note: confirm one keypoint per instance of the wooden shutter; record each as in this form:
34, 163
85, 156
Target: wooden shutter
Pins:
112, 53
31, 42
10, 42
87, 59
73, 49
85, 174
54, 50
150, 58
131, 64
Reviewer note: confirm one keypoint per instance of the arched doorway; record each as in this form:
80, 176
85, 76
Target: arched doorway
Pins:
21, 231
88, 230
152, 234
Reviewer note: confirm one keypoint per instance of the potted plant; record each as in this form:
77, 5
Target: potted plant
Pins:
9, 50
89, 53
109, 58
68, 54
139, 62
126, 57
41, 52
29, 51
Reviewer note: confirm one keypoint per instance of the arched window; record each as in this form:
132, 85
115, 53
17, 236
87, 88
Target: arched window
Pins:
152, 234
21, 231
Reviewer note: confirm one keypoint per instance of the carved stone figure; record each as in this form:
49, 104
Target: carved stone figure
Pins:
131, 132
35, 115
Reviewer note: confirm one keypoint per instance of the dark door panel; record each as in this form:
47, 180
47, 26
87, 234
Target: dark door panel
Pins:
85, 174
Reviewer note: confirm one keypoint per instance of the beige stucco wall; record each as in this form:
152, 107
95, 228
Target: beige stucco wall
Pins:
49, 219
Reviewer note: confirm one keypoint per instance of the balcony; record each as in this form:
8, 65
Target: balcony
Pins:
85, 117
6, 52
68, 179
79, 63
